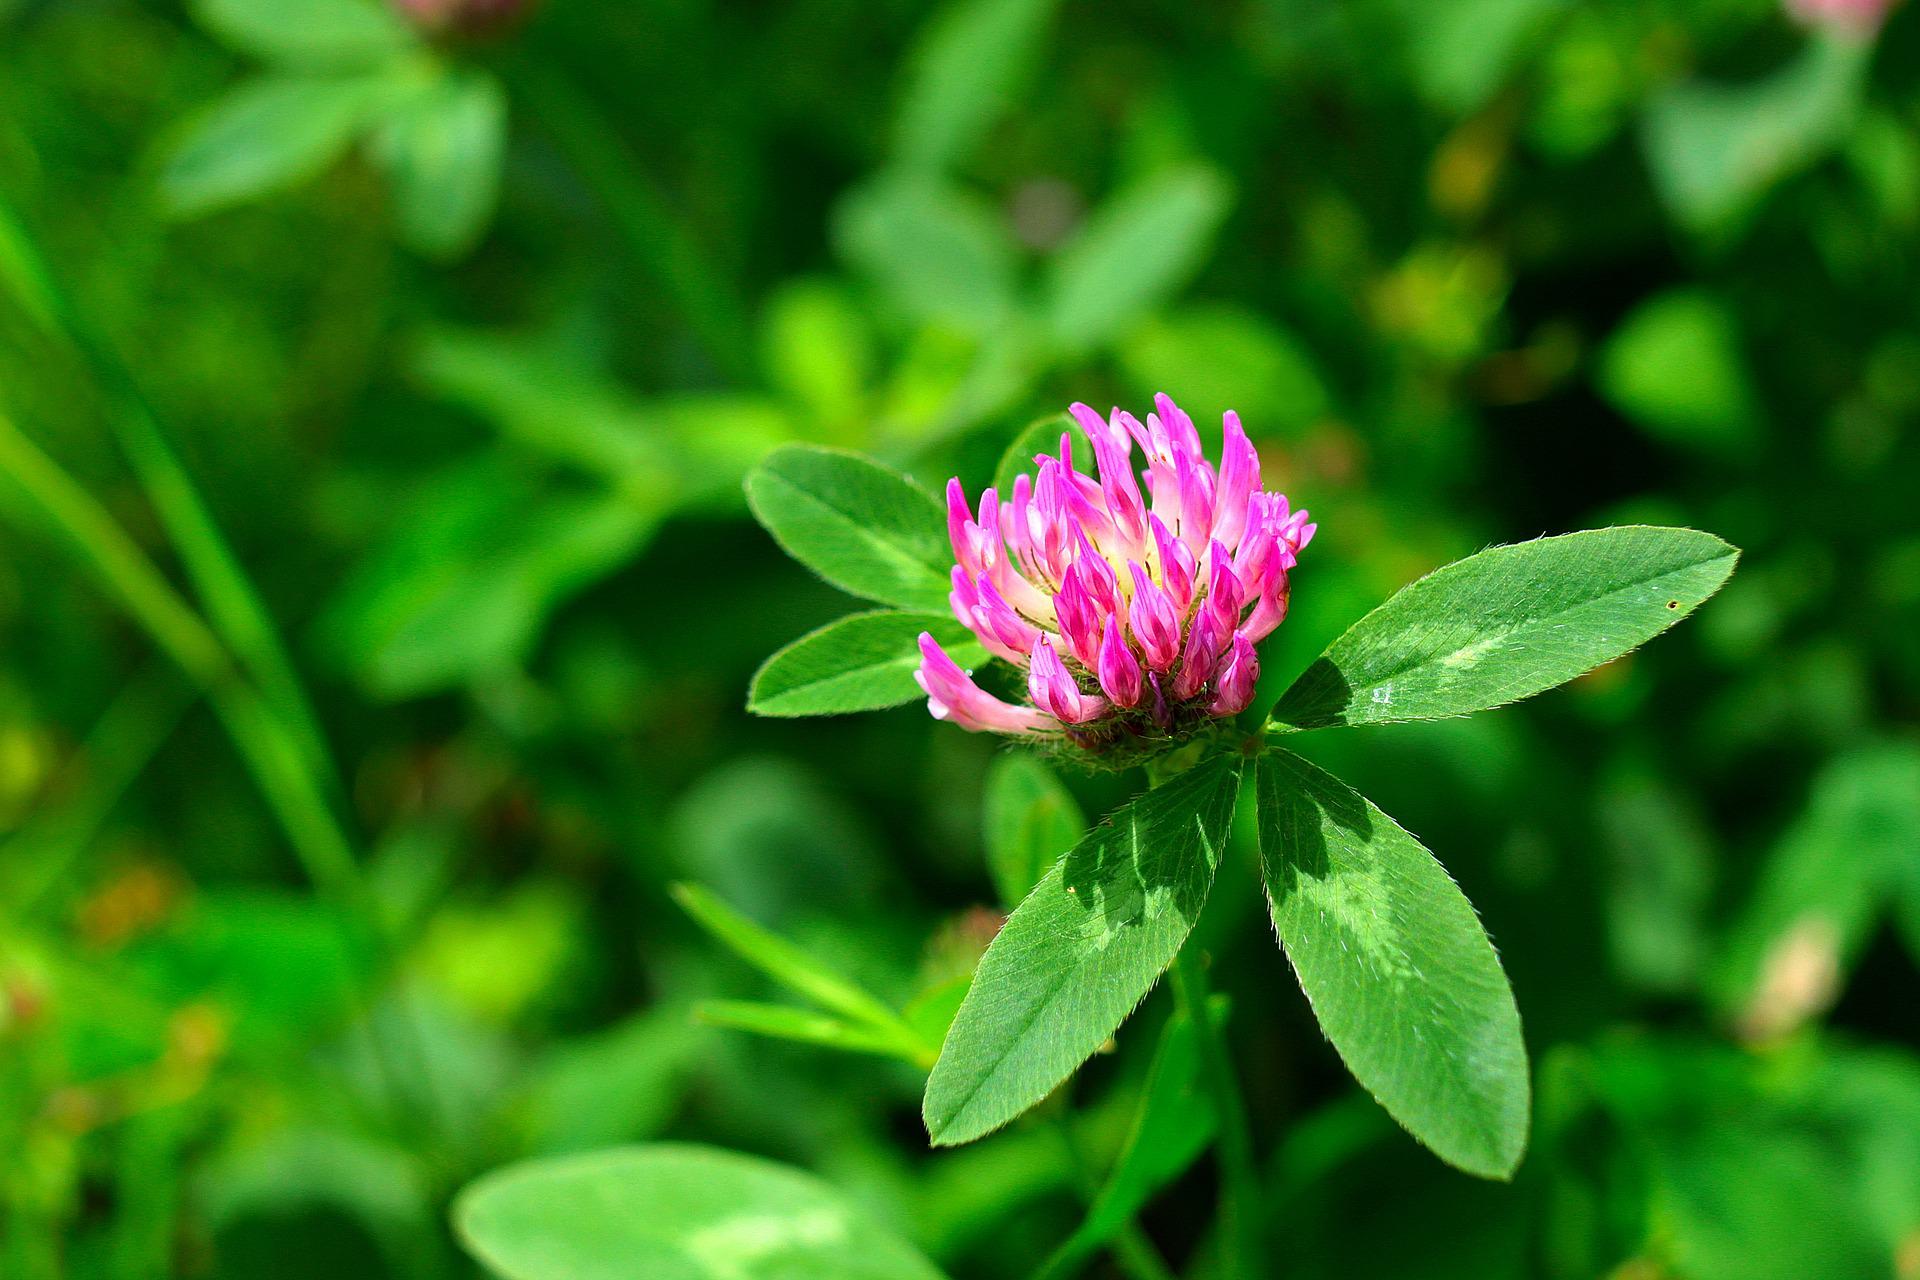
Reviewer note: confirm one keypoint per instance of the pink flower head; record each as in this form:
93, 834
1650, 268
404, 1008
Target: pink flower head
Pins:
1130, 600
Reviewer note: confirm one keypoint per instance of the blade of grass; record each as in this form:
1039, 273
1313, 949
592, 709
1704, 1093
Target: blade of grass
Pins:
805, 1026
233, 606
790, 966
272, 752
278, 739
72, 512
41, 854
25, 275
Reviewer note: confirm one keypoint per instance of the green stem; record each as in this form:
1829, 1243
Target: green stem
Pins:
125, 570
232, 604
278, 763
1135, 1253
1242, 1249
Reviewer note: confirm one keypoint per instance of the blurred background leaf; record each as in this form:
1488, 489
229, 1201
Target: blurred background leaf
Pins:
267, 135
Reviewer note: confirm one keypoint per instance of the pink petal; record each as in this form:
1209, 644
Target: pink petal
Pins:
1118, 669
952, 695
1233, 687
1054, 691
1155, 625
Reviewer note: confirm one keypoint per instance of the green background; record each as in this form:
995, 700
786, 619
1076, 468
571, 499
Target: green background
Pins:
462, 344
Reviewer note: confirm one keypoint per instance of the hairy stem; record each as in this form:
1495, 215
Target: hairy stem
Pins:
1241, 1245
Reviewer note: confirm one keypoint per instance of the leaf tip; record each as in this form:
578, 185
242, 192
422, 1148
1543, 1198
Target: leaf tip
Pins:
1500, 1166
758, 704
946, 1117
938, 1130
687, 895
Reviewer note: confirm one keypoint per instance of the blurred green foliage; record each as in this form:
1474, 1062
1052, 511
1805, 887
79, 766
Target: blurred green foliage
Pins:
379, 599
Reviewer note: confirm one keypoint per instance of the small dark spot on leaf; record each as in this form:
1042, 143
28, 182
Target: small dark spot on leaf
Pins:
1673, 604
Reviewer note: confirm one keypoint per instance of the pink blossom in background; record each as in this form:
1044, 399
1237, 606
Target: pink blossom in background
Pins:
1851, 17
463, 16
1131, 610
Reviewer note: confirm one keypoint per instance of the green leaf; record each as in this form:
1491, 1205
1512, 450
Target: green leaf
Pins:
1031, 820
278, 964
1885, 158
784, 1022
616, 1085
337, 33
860, 663
1872, 1096
1711, 1141
931, 1013
462, 589
492, 959
1223, 357
1132, 254
1674, 366
1506, 624
1174, 1124
1080, 952
1659, 885
772, 837
971, 63
1714, 150
938, 254
670, 1211
690, 449
369, 1184
1396, 966
1719, 1187
267, 135
561, 407
782, 961
1461, 53
816, 345
864, 528
1907, 905
1042, 435
441, 149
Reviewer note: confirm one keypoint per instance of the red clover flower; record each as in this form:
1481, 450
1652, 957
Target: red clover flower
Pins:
1132, 617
